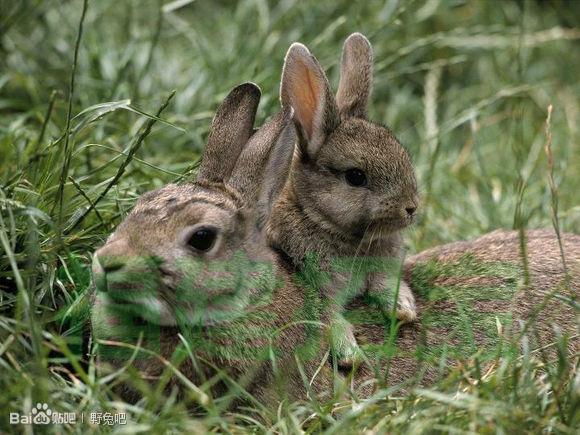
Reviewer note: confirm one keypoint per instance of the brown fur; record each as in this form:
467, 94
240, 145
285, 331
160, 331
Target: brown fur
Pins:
532, 303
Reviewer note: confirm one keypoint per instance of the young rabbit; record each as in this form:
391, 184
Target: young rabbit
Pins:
192, 259
352, 186
473, 301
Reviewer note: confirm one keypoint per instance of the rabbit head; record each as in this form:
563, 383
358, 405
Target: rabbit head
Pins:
351, 175
179, 254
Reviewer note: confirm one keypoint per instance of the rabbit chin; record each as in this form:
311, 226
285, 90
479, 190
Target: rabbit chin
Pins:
157, 311
383, 227
160, 312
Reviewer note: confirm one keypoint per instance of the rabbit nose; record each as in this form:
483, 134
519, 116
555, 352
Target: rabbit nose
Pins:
105, 263
111, 257
411, 210
110, 263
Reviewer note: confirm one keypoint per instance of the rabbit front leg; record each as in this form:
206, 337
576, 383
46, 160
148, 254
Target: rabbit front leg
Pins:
382, 287
344, 346
406, 307
384, 283
341, 289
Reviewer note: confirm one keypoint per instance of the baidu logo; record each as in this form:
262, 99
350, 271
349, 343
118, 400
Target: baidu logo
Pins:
41, 414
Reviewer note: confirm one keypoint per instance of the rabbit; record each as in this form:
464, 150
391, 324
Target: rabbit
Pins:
352, 186
192, 259
471, 298
192, 227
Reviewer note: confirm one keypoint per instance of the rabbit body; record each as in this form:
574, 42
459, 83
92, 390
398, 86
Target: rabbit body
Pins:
478, 284
191, 260
352, 187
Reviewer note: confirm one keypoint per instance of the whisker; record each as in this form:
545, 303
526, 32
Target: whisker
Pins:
353, 264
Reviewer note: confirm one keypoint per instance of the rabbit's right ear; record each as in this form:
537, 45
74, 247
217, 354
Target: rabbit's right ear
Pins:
356, 76
305, 88
230, 129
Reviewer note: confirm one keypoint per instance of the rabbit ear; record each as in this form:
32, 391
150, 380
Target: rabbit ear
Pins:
230, 129
263, 165
305, 88
356, 76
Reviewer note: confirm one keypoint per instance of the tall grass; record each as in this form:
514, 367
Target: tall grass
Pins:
86, 126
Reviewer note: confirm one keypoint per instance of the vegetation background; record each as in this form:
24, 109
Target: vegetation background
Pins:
465, 85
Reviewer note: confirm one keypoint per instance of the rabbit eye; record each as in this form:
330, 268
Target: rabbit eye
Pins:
203, 239
355, 177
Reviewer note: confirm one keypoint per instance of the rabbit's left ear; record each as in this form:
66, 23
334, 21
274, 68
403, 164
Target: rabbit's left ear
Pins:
356, 76
305, 88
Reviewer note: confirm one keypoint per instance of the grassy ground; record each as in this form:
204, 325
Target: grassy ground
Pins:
465, 85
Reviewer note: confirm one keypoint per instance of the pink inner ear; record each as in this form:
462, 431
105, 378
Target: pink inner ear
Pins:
305, 91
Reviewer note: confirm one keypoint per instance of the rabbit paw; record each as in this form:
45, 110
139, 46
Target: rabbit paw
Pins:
406, 310
343, 344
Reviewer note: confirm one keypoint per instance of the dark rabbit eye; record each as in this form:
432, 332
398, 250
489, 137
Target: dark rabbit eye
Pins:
355, 177
203, 239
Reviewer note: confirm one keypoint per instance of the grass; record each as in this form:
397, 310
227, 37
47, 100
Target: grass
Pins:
97, 108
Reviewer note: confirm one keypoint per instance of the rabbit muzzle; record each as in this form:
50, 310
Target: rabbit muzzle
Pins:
396, 220
182, 291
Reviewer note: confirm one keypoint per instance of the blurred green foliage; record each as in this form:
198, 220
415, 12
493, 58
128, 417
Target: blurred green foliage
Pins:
465, 85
